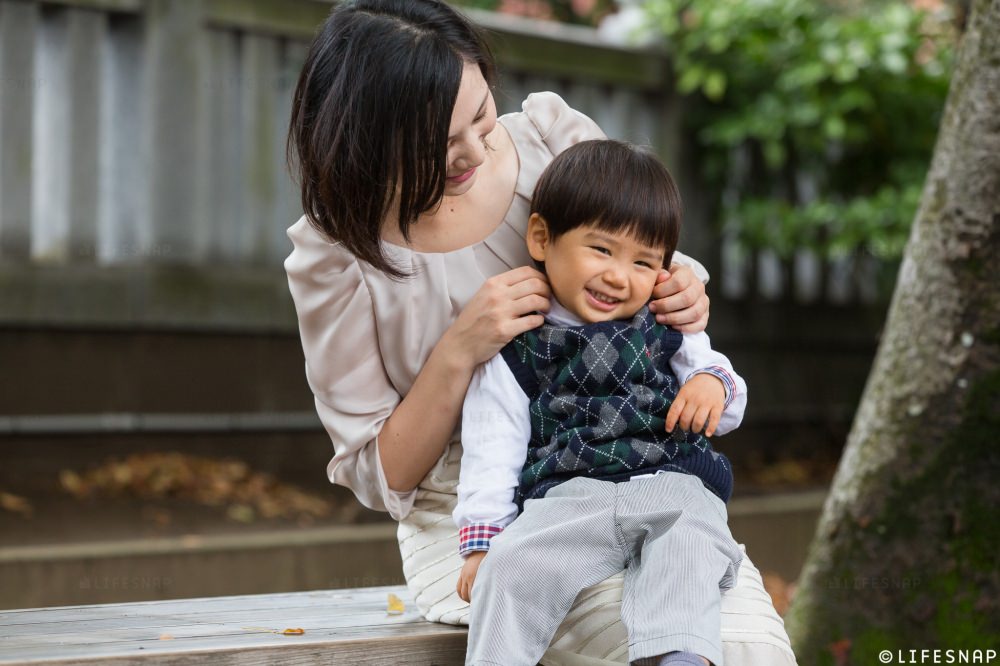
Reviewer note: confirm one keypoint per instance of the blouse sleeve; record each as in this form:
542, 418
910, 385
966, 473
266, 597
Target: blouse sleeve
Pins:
343, 364
559, 125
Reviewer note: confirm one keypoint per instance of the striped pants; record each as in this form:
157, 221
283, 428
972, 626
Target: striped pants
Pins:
592, 633
669, 534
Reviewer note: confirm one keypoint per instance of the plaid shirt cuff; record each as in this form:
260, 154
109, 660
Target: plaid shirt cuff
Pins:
476, 537
726, 379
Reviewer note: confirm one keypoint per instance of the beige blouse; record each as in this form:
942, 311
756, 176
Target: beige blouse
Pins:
366, 337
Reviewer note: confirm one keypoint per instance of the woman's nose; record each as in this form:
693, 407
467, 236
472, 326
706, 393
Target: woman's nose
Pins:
472, 153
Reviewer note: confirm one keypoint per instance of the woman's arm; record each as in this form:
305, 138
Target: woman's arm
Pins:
415, 434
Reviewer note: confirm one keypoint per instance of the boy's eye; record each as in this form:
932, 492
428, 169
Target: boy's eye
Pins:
602, 250
644, 264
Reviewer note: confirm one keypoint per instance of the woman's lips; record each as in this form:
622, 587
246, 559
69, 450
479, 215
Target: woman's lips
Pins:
461, 178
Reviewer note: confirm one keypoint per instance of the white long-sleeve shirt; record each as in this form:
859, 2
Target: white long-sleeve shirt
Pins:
496, 430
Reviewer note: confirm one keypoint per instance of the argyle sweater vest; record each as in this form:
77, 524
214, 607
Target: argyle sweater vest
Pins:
599, 396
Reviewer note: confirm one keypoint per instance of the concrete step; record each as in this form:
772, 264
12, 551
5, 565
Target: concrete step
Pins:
233, 559
205, 565
56, 371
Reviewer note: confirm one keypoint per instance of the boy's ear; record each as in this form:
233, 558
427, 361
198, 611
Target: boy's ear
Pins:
537, 237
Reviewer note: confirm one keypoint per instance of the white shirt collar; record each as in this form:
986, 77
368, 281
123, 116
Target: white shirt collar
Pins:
560, 316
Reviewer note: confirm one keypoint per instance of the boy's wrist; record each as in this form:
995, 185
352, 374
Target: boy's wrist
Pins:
476, 537
725, 378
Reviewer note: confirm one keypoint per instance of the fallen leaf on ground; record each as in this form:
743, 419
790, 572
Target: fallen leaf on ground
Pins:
72, 483
15, 504
248, 494
841, 651
790, 472
241, 513
781, 591
269, 630
396, 605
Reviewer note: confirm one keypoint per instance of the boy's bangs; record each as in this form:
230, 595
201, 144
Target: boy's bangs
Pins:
615, 187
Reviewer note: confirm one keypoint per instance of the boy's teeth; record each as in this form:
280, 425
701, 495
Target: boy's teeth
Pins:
603, 298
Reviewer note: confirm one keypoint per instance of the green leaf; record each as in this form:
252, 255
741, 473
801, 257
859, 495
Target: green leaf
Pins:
774, 154
718, 42
834, 127
894, 61
690, 79
803, 76
715, 85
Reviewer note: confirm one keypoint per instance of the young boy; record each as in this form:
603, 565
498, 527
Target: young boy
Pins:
583, 423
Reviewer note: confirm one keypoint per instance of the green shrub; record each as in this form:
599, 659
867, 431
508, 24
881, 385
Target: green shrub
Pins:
816, 120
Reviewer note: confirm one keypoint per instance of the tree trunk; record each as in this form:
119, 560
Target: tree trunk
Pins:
907, 554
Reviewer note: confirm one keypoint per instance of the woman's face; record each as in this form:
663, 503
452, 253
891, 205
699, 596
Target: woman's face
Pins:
472, 119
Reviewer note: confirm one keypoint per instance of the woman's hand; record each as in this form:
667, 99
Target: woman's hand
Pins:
468, 575
679, 300
502, 309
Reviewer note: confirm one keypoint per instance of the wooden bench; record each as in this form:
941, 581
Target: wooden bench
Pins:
340, 627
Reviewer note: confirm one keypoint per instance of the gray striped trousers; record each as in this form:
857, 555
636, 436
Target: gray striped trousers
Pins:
668, 532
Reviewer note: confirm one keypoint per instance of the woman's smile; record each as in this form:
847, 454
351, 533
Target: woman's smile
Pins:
462, 177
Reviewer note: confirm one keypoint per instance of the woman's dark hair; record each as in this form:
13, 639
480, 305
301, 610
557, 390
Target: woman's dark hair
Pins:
612, 186
371, 115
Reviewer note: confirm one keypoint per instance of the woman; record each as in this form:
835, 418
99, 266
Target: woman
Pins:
410, 268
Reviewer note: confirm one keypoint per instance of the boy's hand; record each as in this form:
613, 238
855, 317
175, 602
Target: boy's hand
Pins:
468, 575
698, 405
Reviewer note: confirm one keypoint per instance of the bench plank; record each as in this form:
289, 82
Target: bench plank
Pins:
341, 626
350, 598
166, 613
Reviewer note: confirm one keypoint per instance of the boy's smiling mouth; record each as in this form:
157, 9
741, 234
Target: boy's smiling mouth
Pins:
602, 301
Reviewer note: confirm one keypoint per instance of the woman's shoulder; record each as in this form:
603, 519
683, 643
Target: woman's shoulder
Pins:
318, 262
311, 249
548, 119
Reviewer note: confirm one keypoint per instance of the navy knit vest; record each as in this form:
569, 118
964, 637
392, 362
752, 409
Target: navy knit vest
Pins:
599, 396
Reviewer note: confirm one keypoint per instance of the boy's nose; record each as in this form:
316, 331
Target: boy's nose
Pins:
615, 276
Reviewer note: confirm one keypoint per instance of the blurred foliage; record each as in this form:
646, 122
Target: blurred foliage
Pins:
817, 120
579, 12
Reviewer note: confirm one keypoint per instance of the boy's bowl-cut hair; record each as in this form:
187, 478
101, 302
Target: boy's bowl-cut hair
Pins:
613, 186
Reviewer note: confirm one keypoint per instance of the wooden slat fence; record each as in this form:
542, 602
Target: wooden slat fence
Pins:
155, 131
141, 134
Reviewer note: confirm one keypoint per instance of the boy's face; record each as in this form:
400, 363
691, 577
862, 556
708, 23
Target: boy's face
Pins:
595, 274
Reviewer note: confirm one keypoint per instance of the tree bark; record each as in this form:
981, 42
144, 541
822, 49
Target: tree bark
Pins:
907, 551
